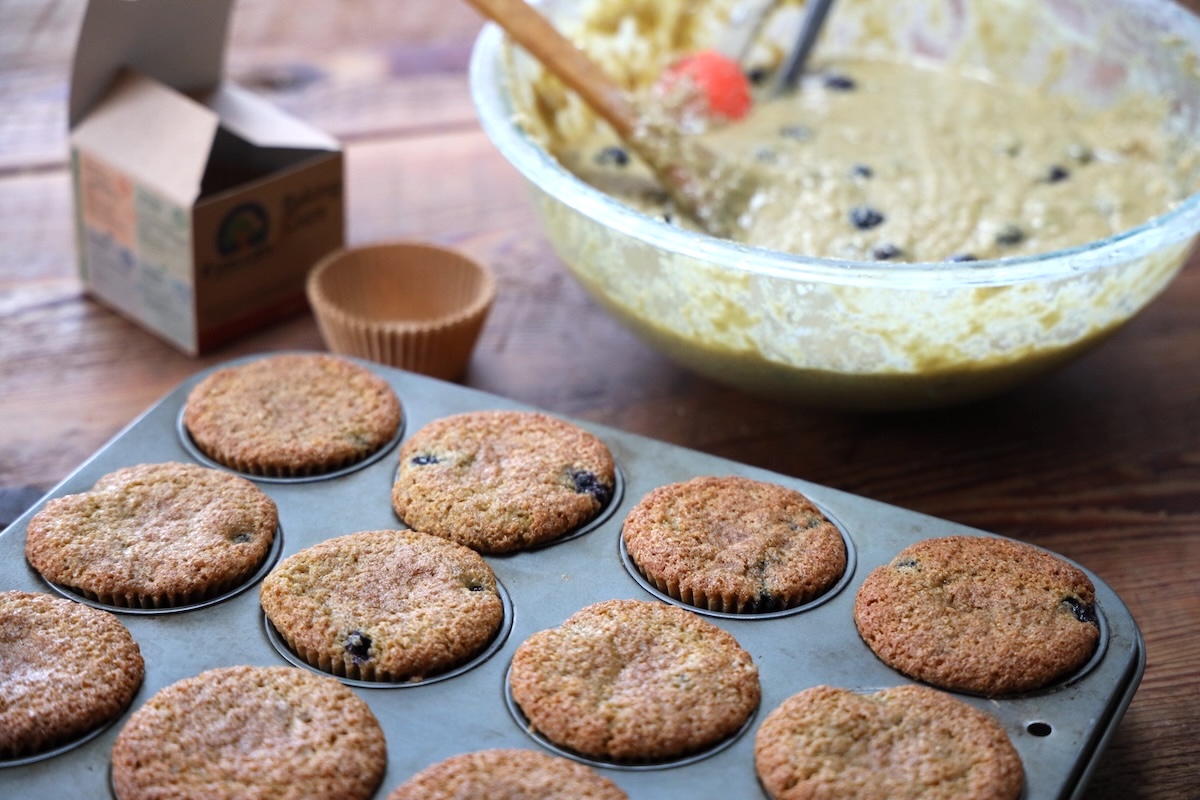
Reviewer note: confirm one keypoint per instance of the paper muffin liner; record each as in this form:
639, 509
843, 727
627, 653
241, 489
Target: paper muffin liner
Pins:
297, 470
410, 305
135, 600
724, 603
343, 666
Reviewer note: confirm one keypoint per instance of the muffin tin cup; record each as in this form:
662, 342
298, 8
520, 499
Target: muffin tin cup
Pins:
683, 760
355, 678
582, 529
133, 604
203, 459
61, 749
1060, 732
706, 608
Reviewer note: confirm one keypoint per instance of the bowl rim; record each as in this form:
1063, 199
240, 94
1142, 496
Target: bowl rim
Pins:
497, 117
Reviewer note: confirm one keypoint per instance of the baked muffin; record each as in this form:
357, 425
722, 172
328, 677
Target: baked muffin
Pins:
634, 681
292, 415
734, 544
65, 670
507, 774
271, 733
979, 614
154, 536
500, 481
827, 743
384, 605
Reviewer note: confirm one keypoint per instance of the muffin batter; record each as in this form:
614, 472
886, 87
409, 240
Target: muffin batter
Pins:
873, 160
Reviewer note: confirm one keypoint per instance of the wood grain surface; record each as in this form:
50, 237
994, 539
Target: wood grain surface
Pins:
1100, 461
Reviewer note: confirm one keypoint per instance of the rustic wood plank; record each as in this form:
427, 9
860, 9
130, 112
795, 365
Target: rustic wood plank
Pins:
354, 69
1100, 461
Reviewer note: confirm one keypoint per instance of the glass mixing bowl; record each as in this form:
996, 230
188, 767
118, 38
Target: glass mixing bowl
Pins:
866, 335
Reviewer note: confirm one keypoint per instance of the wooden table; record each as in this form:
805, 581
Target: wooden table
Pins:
1100, 462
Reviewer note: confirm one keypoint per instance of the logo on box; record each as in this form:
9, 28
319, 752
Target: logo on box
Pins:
243, 228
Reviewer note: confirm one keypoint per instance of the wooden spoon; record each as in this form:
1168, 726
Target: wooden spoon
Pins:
703, 186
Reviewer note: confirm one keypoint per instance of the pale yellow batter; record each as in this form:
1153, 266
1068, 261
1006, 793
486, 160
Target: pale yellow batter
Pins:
880, 161
972, 129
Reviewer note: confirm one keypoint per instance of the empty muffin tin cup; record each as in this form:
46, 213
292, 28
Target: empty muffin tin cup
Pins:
410, 305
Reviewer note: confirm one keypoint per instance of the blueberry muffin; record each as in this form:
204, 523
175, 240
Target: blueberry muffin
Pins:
508, 774
501, 481
906, 742
978, 614
631, 681
292, 415
154, 536
734, 544
65, 670
271, 733
384, 605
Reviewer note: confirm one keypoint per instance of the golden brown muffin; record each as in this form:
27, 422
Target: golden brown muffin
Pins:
292, 415
634, 681
499, 481
384, 605
912, 742
733, 544
271, 733
154, 536
65, 670
507, 775
979, 614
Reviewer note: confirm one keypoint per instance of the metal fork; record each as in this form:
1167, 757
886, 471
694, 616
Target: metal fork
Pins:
815, 12
746, 24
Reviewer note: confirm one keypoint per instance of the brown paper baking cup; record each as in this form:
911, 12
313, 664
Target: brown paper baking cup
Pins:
410, 305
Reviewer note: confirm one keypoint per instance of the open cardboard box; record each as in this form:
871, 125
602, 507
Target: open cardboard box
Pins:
200, 208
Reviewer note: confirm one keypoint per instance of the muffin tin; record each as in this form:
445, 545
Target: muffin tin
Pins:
1059, 732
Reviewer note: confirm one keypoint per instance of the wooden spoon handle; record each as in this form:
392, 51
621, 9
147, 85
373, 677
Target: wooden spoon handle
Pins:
535, 33
703, 186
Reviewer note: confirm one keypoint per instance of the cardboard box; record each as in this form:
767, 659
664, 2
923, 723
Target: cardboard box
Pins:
200, 208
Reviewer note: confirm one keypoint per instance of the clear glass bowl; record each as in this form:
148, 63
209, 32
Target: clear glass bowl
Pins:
861, 335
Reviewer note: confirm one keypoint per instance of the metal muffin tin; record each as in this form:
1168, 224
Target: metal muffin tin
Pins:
1060, 733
